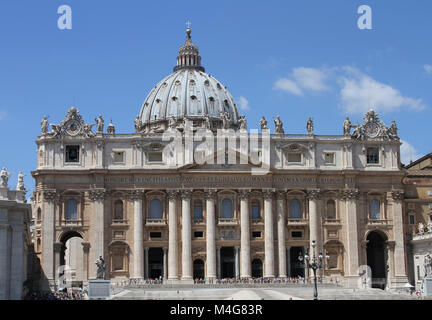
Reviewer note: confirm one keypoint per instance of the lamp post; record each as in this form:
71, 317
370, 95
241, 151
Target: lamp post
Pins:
315, 264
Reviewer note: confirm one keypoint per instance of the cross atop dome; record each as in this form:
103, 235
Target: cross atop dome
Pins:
189, 57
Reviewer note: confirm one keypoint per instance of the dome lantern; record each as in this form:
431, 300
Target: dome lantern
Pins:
189, 57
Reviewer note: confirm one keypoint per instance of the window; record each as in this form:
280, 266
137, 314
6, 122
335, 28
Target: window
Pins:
331, 209
295, 209
411, 219
198, 234
256, 210
118, 210
198, 211
372, 156
72, 153
155, 234
71, 210
296, 234
155, 157
374, 209
333, 261
227, 208
429, 193
329, 158
294, 157
39, 214
256, 234
118, 156
155, 209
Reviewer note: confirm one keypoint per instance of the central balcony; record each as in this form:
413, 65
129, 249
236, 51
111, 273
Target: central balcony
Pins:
297, 222
155, 222
227, 221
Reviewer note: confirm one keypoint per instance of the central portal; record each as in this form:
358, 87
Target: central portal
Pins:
227, 262
155, 263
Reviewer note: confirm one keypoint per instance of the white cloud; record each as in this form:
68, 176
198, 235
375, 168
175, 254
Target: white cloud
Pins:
428, 68
408, 153
360, 92
310, 78
301, 78
288, 86
243, 103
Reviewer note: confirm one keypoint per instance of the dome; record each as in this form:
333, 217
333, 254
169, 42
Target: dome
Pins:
188, 94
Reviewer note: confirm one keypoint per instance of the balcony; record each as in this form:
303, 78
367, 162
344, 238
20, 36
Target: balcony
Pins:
227, 221
257, 220
198, 221
378, 222
155, 222
297, 222
332, 222
119, 222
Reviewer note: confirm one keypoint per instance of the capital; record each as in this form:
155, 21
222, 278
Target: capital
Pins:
280, 194
98, 194
210, 193
186, 194
51, 195
268, 193
172, 194
133, 195
349, 194
314, 194
397, 195
244, 194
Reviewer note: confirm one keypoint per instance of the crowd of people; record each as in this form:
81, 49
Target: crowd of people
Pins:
58, 295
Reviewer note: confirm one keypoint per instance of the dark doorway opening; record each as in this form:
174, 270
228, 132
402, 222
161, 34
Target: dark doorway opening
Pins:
297, 269
155, 263
198, 269
227, 262
376, 259
71, 269
257, 268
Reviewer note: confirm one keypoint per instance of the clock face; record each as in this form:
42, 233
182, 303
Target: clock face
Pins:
73, 127
371, 130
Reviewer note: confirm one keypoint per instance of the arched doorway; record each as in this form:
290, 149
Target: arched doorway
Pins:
227, 262
198, 269
376, 258
72, 258
296, 267
257, 268
155, 263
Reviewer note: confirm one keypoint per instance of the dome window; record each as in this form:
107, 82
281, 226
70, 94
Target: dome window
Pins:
158, 100
192, 82
218, 86
174, 98
207, 83
211, 99
193, 97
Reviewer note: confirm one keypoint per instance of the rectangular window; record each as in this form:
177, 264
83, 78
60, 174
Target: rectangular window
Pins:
118, 156
72, 153
372, 156
256, 234
155, 234
411, 219
155, 157
256, 211
329, 158
296, 234
198, 212
294, 157
198, 234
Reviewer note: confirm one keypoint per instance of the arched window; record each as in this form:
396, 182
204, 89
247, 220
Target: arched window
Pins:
331, 209
198, 210
227, 208
295, 209
155, 209
118, 210
71, 209
39, 214
375, 209
256, 210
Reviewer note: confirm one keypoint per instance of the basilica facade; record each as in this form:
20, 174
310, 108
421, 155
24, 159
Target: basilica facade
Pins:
192, 194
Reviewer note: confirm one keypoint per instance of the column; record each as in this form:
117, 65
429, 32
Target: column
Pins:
210, 234
268, 234
288, 255
245, 257
98, 245
305, 250
165, 263
399, 248
17, 262
138, 252
280, 205
314, 221
186, 236
57, 251
50, 200
350, 196
4, 262
86, 248
237, 269
172, 236
218, 261
146, 263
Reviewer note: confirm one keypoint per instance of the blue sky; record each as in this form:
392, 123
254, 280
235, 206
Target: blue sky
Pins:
290, 58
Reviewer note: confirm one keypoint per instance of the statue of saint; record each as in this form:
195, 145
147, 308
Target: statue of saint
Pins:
242, 123
393, 130
137, 124
263, 123
278, 126
44, 125
20, 184
4, 176
421, 228
100, 265
172, 123
347, 125
100, 124
309, 126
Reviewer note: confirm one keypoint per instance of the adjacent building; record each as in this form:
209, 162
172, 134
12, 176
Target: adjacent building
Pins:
192, 194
